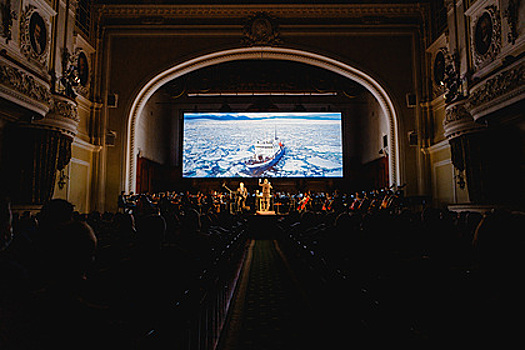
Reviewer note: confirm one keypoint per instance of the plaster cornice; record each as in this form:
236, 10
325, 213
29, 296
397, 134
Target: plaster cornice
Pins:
242, 11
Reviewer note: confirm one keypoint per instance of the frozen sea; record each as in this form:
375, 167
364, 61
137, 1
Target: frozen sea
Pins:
216, 148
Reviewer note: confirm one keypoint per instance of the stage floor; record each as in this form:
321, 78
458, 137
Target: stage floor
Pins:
268, 212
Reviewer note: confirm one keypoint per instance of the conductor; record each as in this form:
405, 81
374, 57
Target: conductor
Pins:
266, 187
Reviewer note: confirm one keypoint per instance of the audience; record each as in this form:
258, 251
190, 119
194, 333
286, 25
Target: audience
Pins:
77, 281
435, 274
66, 276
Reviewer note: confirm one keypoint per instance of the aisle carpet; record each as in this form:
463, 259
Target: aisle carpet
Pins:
269, 310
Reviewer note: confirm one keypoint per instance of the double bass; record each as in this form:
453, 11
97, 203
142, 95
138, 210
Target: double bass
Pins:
303, 202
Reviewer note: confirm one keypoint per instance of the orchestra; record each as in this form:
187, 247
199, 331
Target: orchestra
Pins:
244, 201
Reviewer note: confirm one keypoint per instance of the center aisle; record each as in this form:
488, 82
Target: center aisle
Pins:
269, 310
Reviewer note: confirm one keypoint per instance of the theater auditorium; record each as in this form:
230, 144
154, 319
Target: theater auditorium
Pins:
253, 174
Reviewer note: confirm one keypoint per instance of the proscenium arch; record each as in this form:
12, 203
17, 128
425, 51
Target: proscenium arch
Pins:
261, 53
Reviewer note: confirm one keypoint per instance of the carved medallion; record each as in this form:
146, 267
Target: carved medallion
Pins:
261, 29
82, 69
75, 75
439, 68
486, 39
483, 34
34, 35
82, 72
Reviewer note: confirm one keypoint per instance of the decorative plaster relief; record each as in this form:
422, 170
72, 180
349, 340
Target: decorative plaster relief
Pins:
486, 36
498, 90
23, 87
63, 116
35, 36
261, 29
458, 120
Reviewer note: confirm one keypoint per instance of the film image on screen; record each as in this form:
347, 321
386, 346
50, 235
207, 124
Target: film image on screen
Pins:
259, 144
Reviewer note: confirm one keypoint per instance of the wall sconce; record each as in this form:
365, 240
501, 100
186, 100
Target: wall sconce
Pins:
384, 151
460, 180
62, 179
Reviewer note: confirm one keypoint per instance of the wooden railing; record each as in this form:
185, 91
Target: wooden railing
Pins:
195, 318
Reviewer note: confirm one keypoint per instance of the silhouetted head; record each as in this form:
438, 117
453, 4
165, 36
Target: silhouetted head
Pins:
54, 213
73, 250
151, 230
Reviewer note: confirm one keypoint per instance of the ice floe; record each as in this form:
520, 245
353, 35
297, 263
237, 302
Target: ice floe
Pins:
220, 149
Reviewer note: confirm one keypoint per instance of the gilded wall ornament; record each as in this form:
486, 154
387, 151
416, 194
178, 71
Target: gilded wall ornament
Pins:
24, 83
82, 72
456, 113
486, 37
438, 72
439, 68
502, 84
62, 116
34, 35
451, 80
458, 120
82, 69
261, 29
66, 109
75, 73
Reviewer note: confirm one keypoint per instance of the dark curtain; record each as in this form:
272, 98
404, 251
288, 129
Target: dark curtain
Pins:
376, 174
467, 155
491, 161
31, 160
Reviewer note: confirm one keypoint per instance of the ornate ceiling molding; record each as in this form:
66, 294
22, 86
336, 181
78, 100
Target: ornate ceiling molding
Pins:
242, 11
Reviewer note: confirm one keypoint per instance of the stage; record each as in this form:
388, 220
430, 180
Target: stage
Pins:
265, 213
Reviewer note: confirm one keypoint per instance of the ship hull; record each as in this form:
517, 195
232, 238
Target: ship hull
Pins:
258, 169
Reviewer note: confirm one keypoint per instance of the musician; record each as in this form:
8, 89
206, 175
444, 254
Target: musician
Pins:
216, 201
304, 202
266, 189
230, 199
127, 203
357, 201
240, 197
328, 203
122, 201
